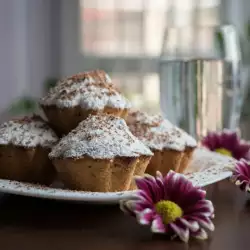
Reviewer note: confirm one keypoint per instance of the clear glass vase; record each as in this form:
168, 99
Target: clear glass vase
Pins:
201, 86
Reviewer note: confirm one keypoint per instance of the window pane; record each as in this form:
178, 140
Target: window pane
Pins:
143, 91
131, 5
154, 24
187, 40
151, 93
130, 33
98, 4
185, 5
208, 4
158, 5
209, 16
205, 41
136, 27
183, 17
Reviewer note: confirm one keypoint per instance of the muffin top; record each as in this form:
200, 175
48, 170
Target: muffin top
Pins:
27, 132
158, 133
90, 90
100, 137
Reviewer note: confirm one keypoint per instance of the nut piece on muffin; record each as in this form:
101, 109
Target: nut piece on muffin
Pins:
100, 155
75, 97
172, 147
24, 147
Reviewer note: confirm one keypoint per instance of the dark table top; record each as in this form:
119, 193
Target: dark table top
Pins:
28, 223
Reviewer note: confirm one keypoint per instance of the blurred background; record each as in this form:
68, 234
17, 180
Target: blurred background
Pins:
43, 40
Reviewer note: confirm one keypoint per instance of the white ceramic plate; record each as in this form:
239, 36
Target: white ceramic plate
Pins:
206, 168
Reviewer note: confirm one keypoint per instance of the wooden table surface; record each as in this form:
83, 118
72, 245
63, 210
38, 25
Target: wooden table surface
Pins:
34, 224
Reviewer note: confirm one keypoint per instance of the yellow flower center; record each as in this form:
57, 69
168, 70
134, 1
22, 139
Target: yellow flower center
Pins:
168, 210
223, 151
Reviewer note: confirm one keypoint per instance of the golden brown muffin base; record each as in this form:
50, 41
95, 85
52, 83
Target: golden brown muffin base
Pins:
186, 159
97, 175
168, 159
26, 164
164, 161
140, 169
63, 120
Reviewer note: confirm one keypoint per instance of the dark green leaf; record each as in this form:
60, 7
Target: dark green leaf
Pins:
23, 105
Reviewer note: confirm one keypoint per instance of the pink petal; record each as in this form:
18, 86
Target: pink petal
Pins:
182, 233
160, 188
145, 217
191, 197
229, 140
150, 186
211, 141
158, 226
141, 205
247, 156
244, 147
208, 141
130, 204
200, 234
157, 192
203, 207
204, 222
142, 184
181, 190
142, 195
241, 151
241, 175
159, 175
172, 182
191, 224
241, 165
247, 188
149, 178
126, 209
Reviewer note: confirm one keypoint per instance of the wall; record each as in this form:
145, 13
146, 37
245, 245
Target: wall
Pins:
12, 50
29, 47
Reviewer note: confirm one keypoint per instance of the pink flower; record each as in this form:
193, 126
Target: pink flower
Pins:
171, 205
241, 175
228, 143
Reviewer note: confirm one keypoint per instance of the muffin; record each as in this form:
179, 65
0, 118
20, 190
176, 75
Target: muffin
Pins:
100, 155
24, 147
172, 147
75, 97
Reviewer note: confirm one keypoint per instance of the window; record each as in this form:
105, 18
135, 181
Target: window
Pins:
143, 91
129, 28
125, 38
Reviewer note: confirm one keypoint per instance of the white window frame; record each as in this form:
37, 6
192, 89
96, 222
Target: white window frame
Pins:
72, 59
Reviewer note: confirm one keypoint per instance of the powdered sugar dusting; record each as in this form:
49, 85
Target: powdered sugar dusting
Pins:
91, 90
208, 167
158, 133
100, 137
204, 159
27, 132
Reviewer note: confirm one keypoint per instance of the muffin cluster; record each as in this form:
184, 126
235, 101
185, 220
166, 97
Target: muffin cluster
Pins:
91, 141
110, 153
24, 147
172, 147
78, 96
